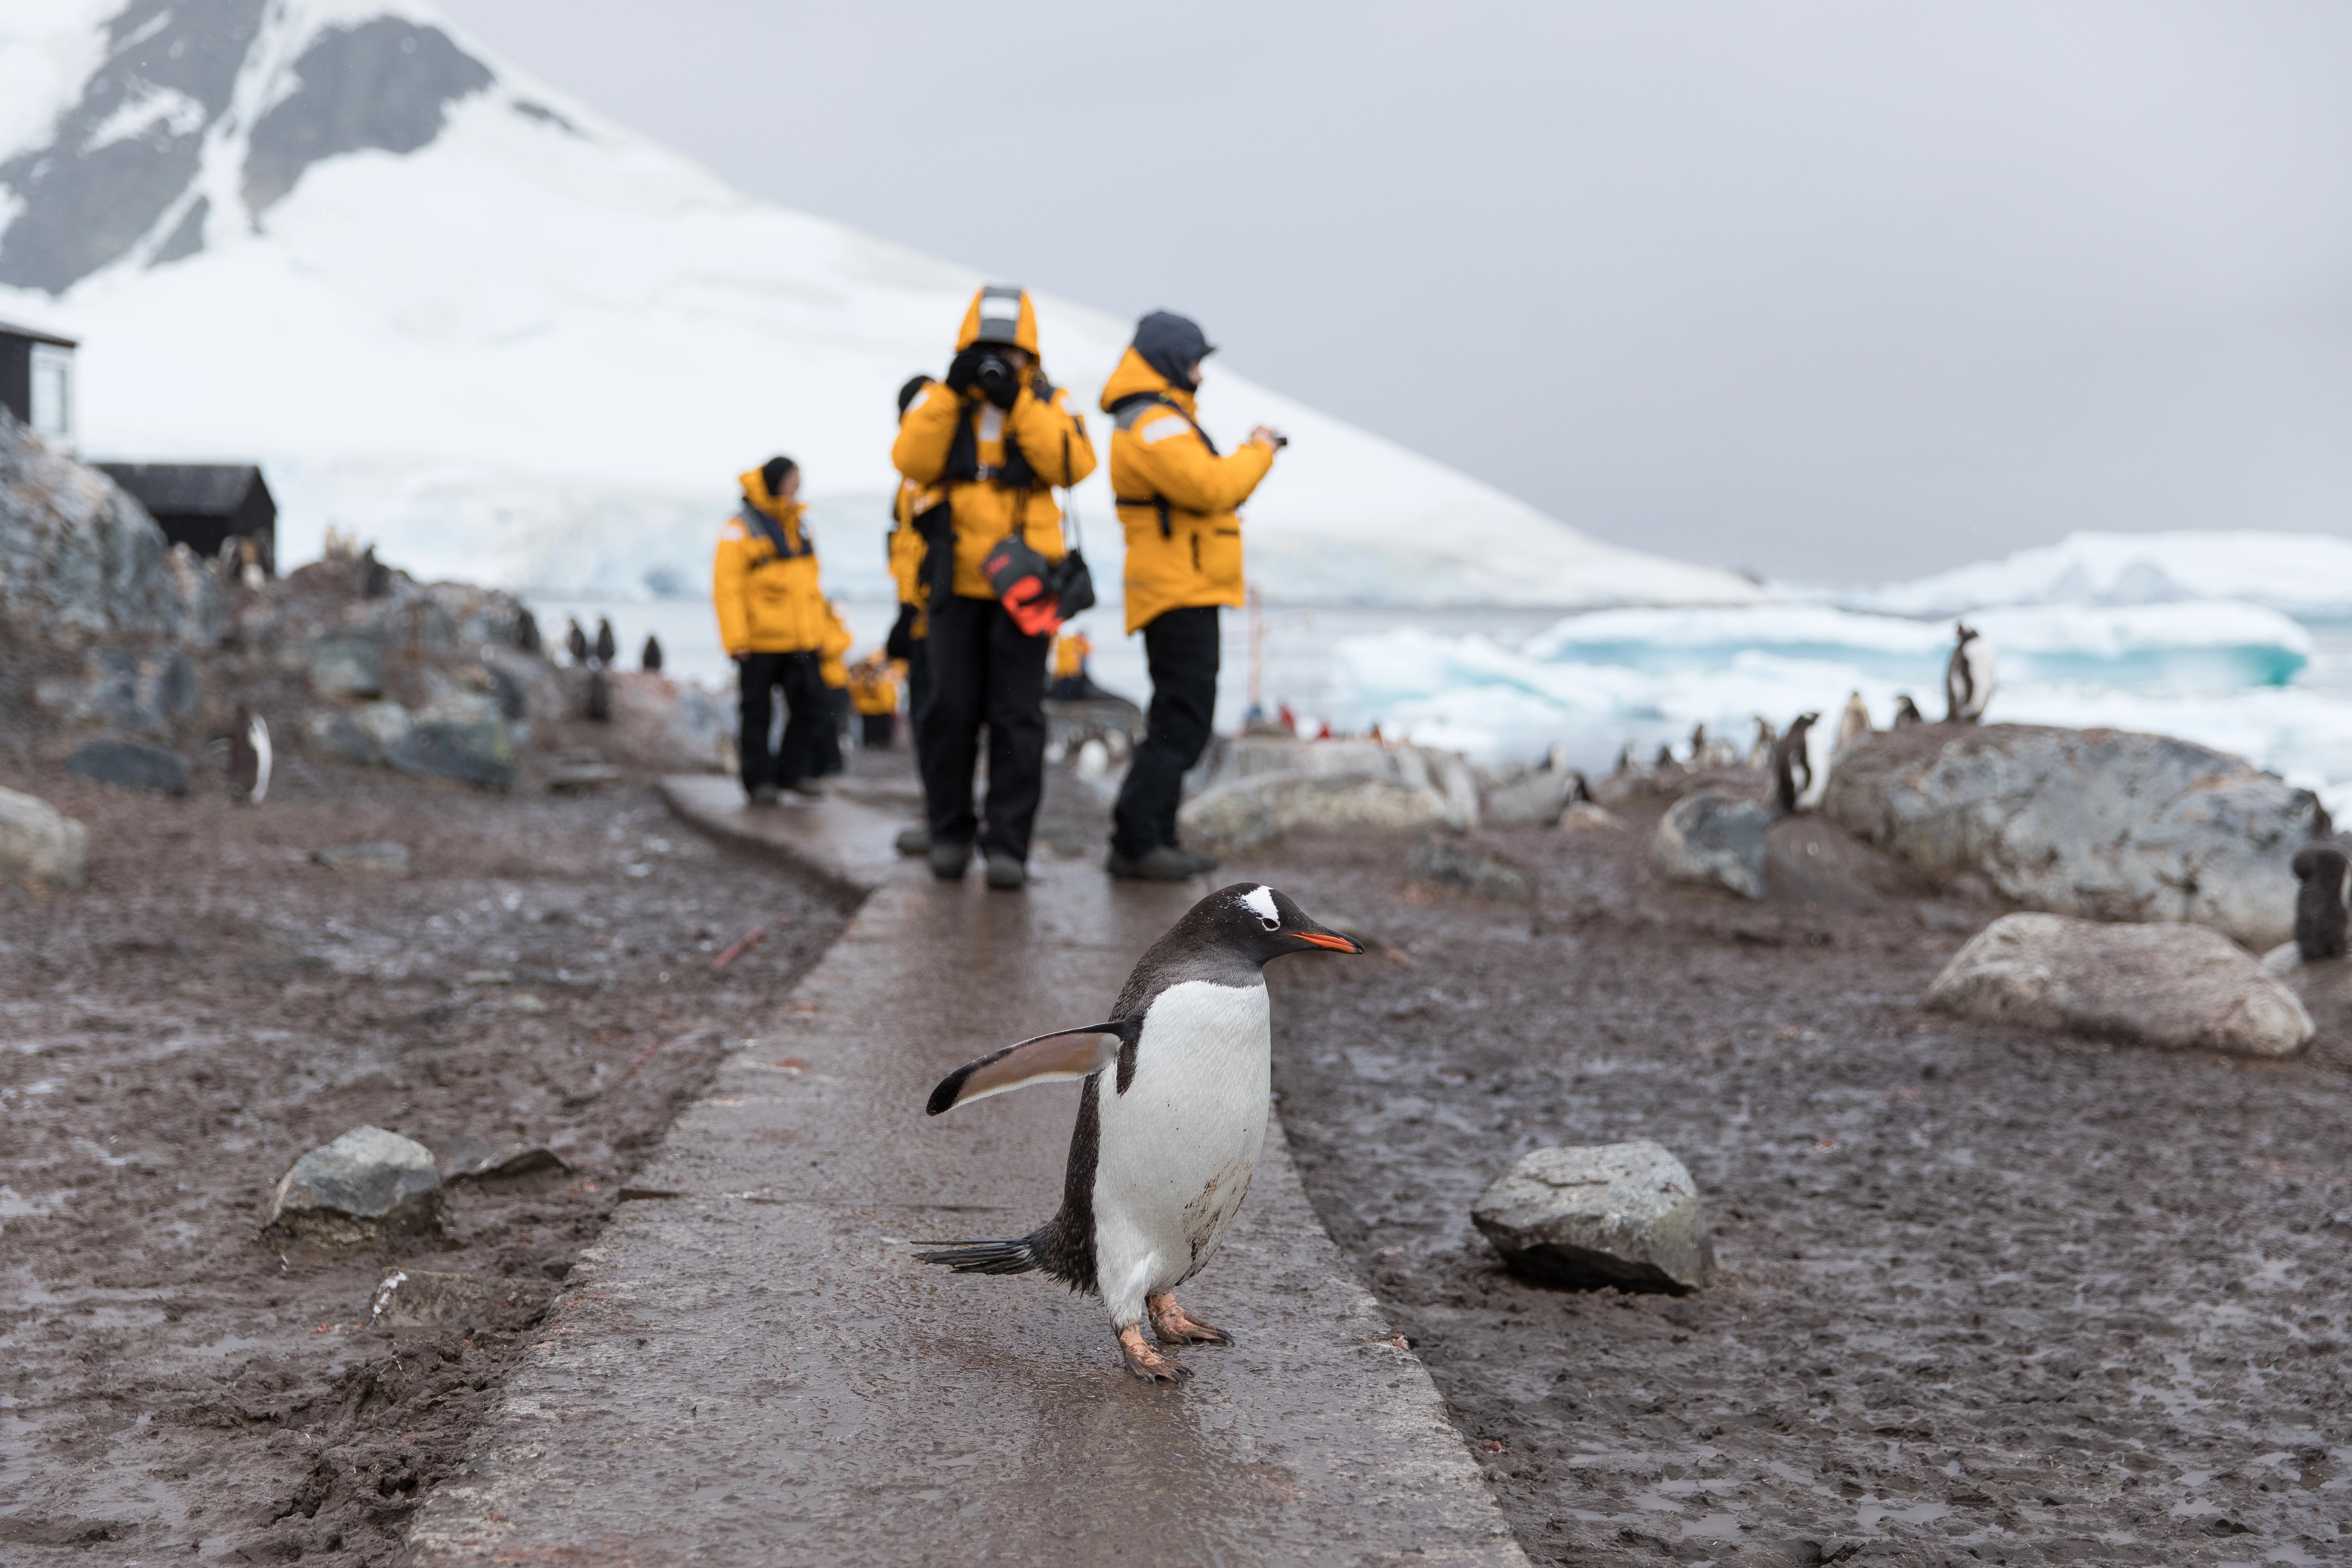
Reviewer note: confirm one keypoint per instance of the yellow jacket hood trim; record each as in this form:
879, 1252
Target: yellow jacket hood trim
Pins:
1024, 330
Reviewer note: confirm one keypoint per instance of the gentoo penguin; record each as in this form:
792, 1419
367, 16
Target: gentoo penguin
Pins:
597, 706
575, 641
2319, 914
1666, 762
1166, 1144
1792, 769
1907, 712
526, 632
649, 660
606, 646
249, 756
1759, 755
1969, 677
1854, 723
1625, 762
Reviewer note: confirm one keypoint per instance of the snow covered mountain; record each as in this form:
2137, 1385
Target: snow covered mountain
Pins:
467, 317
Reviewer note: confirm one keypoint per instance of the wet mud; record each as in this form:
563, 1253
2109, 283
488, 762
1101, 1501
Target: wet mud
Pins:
1983, 1296
175, 1384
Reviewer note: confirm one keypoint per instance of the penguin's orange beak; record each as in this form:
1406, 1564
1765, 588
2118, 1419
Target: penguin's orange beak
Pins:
1326, 939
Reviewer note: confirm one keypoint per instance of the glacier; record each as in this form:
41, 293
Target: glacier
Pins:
463, 316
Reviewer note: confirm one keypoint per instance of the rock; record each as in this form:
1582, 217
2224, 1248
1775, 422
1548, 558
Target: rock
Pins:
1535, 798
78, 555
1438, 862
346, 664
2102, 824
1253, 790
130, 765
1625, 1214
2164, 984
39, 844
1584, 816
365, 1183
669, 724
415, 1297
1713, 839
466, 1158
334, 736
579, 778
381, 859
127, 693
472, 751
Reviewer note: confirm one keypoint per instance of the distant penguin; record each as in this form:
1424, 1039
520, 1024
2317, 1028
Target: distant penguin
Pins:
1666, 763
1759, 755
375, 577
1969, 677
526, 632
1907, 712
1854, 723
1171, 1121
598, 704
1792, 769
1625, 762
649, 660
249, 757
605, 645
1700, 757
2319, 914
575, 641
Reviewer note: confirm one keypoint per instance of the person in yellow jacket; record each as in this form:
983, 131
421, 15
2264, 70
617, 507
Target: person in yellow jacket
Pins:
1177, 496
774, 624
999, 437
874, 693
910, 639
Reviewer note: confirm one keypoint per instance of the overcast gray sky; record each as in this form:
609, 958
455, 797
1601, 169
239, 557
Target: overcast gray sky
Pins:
1842, 291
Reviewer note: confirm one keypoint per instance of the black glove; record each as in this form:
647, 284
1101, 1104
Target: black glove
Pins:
1040, 388
900, 642
964, 368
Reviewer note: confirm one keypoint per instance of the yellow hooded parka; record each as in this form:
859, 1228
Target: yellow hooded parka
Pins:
768, 601
1158, 453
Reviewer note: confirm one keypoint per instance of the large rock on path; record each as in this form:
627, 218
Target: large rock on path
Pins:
363, 1183
2102, 823
1713, 839
1625, 1214
1253, 790
2171, 985
38, 844
130, 765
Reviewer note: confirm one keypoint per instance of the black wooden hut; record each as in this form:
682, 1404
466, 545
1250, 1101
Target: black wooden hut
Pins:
201, 505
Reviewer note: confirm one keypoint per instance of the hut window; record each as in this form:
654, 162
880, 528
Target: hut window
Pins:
52, 392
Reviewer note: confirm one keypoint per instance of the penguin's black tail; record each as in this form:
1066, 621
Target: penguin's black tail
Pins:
1018, 1256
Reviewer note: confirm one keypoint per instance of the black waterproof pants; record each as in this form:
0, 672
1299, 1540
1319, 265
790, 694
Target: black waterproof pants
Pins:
983, 671
807, 714
1181, 648
918, 696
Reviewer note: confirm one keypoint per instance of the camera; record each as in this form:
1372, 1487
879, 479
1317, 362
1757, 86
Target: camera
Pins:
1281, 441
993, 374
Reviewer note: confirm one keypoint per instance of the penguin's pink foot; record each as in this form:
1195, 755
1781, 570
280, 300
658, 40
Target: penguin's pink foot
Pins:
1146, 1362
1175, 1326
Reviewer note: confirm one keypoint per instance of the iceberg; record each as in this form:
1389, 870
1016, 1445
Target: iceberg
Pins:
2308, 576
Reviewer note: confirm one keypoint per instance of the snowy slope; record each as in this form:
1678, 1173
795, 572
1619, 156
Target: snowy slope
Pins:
467, 317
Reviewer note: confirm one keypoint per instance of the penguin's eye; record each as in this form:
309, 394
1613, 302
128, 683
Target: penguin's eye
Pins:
1270, 923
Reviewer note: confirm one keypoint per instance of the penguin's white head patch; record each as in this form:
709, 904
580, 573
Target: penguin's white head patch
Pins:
1259, 901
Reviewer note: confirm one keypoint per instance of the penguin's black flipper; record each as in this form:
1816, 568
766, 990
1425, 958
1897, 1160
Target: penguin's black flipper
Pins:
1057, 1058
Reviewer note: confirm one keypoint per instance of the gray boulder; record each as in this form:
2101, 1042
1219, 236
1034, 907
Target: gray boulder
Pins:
78, 555
1442, 863
382, 859
334, 736
1713, 839
1253, 790
364, 1184
472, 751
1625, 1214
2102, 824
2168, 984
346, 664
130, 765
128, 694
39, 844
1533, 798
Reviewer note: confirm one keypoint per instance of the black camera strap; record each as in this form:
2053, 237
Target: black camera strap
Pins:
1132, 407
765, 527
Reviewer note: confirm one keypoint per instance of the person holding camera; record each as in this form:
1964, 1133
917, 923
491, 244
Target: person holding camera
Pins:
774, 623
1177, 494
999, 437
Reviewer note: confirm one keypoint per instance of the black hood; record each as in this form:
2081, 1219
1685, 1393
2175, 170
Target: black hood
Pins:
1171, 344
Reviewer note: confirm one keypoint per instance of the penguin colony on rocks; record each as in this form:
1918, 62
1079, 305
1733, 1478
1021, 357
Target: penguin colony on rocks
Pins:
1171, 1121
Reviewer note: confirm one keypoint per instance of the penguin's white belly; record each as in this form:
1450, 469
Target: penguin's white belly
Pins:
1179, 1148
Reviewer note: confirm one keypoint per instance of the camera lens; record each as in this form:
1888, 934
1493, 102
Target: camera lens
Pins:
991, 373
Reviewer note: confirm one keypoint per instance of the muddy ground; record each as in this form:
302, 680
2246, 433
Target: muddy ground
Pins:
1983, 1295
176, 1386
